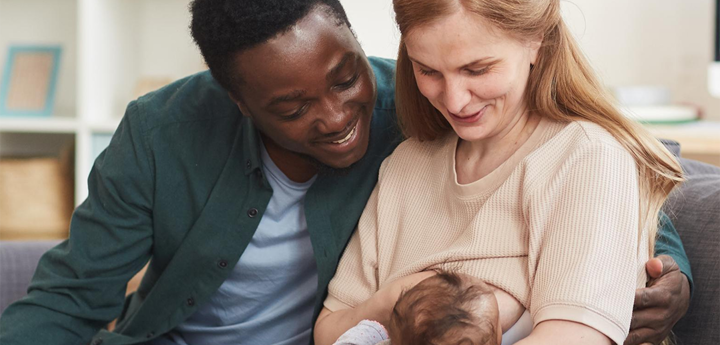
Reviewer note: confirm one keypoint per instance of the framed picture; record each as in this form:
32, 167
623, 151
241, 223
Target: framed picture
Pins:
29, 81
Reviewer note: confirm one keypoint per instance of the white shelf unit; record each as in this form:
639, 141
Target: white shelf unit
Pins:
38, 125
108, 46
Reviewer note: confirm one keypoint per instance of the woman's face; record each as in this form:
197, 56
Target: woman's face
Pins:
473, 73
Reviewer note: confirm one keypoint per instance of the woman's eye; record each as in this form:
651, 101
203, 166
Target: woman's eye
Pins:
478, 72
426, 72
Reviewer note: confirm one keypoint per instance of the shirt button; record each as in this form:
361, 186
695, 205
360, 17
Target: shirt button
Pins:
247, 164
97, 342
222, 264
190, 301
150, 335
252, 212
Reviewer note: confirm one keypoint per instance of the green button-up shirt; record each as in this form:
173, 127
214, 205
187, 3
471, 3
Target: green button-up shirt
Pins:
180, 185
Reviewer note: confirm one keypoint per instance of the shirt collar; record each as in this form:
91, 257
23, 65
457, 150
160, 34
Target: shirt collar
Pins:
251, 146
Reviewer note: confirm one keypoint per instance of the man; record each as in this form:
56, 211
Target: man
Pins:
241, 189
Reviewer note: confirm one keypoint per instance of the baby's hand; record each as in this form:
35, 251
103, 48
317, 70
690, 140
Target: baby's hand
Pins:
367, 332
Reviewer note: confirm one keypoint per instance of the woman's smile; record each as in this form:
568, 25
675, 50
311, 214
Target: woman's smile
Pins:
467, 119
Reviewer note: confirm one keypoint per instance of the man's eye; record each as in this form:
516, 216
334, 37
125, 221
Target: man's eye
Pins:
349, 83
296, 114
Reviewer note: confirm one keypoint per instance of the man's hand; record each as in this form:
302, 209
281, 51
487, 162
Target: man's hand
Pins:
661, 304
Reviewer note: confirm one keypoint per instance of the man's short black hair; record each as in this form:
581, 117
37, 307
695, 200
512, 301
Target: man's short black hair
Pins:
223, 28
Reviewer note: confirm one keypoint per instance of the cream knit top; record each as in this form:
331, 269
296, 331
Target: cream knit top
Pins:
556, 226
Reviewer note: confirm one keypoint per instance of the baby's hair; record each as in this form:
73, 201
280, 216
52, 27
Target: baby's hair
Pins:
443, 309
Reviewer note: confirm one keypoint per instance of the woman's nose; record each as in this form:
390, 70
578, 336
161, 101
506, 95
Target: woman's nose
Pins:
456, 96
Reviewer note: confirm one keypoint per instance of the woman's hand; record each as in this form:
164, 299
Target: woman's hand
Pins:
382, 303
331, 325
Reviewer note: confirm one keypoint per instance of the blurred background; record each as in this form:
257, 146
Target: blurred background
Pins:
69, 67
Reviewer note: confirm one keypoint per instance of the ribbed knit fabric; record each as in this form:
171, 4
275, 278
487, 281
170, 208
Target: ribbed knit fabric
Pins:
556, 226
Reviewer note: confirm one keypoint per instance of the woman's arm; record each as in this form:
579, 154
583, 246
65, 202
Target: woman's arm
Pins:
586, 217
331, 325
558, 332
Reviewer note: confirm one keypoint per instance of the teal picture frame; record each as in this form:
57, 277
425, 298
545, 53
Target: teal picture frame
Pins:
6, 109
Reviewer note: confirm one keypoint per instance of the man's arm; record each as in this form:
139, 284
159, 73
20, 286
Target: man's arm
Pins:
79, 286
667, 297
669, 243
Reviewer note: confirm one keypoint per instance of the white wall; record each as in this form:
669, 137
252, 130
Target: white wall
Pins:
374, 23
649, 42
167, 22
630, 42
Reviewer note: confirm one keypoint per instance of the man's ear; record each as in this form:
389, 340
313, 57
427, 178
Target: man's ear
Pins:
243, 109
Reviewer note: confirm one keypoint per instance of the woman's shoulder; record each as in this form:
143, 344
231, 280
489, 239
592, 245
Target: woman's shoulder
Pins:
590, 133
576, 141
571, 137
581, 149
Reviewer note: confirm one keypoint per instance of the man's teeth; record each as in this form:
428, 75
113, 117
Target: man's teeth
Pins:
343, 140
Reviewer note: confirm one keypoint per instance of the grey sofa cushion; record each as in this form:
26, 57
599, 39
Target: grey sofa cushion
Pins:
694, 209
18, 260
672, 145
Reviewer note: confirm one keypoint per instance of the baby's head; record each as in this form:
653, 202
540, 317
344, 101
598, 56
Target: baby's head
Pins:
447, 308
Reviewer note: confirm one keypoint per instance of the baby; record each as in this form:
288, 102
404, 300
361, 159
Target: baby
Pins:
446, 308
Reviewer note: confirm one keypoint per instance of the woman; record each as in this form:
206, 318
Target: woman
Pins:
517, 165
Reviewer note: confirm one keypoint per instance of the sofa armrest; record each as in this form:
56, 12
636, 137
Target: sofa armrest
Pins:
18, 260
694, 209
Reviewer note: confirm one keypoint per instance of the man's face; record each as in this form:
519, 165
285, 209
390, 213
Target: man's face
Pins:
311, 91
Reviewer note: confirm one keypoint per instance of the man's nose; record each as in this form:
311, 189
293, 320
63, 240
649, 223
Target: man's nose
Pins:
333, 116
456, 95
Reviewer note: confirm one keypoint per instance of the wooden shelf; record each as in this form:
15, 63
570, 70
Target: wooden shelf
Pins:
108, 48
103, 127
698, 140
54, 124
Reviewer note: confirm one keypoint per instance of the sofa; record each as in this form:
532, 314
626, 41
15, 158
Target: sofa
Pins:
694, 209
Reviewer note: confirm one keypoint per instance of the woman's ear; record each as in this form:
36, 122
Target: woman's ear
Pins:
534, 46
243, 109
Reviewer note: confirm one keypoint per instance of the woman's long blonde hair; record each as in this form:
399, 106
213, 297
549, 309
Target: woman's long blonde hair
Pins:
562, 86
